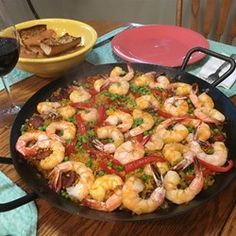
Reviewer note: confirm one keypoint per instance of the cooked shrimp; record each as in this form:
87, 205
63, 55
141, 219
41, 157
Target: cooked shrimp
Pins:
66, 111
203, 131
155, 143
202, 100
181, 89
117, 71
131, 199
161, 82
147, 101
129, 151
121, 87
147, 122
68, 130
209, 115
122, 120
48, 107
99, 192
145, 79
89, 115
80, 189
56, 157
175, 135
98, 84
176, 106
79, 94
179, 196
109, 132
117, 74
219, 156
39, 139
176, 152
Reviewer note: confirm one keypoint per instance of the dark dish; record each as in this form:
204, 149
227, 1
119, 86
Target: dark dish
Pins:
38, 183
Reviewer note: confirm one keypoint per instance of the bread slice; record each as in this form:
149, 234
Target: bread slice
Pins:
55, 46
31, 31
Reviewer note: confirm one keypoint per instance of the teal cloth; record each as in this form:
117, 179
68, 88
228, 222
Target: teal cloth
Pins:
104, 55
15, 76
21, 221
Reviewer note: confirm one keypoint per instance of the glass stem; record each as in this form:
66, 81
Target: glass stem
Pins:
7, 89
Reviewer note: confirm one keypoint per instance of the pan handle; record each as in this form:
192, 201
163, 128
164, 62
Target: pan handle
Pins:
18, 202
6, 160
214, 54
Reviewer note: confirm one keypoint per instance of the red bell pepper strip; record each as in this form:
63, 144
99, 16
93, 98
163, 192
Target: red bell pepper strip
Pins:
142, 162
164, 114
82, 105
90, 149
214, 168
92, 91
101, 114
70, 147
160, 93
80, 124
143, 139
108, 170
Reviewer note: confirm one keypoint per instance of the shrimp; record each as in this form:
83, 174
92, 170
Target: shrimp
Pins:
80, 189
131, 199
145, 79
89, 115
155, 143
181, 89
117, 71
147, 122
109, 132
99, 192
100, 83
209, 115
219, 156
179, 196
48, 107
174, 153
147, 101
37, 139
117, 74
68, 130
161, 82
175, 135
121, 87
203, 131
122, 120
56, 157
176, 106
79, 94
129, 151
66, 112
202, 100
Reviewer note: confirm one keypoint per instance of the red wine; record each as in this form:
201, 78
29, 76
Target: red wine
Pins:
9, 54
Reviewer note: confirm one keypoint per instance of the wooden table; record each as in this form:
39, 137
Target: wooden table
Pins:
217, 217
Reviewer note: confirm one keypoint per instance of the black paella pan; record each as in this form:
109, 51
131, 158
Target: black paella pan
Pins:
39, 185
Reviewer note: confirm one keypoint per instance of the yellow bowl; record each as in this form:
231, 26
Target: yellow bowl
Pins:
57, 65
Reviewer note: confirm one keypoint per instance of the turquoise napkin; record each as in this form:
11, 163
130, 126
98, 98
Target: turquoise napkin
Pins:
21, 221
104, 55
15, 76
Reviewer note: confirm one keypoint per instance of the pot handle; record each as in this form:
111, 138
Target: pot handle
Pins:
20, 201
214, 54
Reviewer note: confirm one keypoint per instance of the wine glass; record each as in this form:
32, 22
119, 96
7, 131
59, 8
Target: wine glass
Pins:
9, 54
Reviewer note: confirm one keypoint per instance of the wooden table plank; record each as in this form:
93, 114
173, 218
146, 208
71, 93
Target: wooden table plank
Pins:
216, 217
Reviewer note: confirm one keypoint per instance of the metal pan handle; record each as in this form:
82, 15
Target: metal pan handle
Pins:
20, 201
214, 54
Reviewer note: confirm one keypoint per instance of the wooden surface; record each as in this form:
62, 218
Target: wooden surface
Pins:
217, 217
